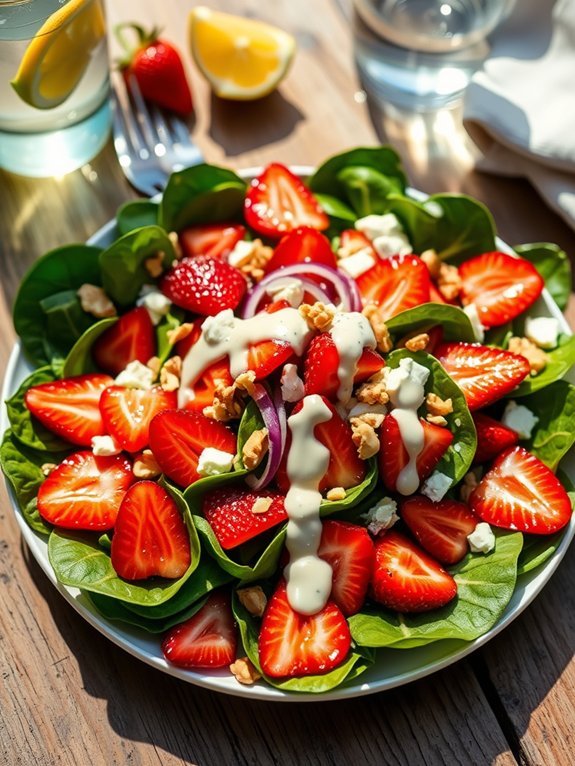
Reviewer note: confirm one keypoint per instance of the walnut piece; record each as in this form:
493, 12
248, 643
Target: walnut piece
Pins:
432, 261
261, 505
336, 493
145, 466
449, 282
226, 404
253, 599
255, 448
436, 420
469, 484
154, 364
175, 240
417, 342
244, 671
382, 336
154, 264
254, 264
317, 315
364, 437
438, 406
179, 333
94, 301
171, 373
374, 390
245, 382
47, 468
536, 357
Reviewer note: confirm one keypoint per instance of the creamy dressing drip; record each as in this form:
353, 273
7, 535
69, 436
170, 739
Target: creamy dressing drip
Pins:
351, 333
227, 335
309, 578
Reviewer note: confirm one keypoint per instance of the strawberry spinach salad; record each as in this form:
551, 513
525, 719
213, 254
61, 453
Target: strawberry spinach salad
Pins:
280, 425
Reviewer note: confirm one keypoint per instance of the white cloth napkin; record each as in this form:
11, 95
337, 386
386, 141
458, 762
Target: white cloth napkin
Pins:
520, 107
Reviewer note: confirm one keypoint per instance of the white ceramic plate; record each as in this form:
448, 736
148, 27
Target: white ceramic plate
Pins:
393, 667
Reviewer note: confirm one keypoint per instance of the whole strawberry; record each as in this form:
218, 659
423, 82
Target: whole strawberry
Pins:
204, 285
157, 67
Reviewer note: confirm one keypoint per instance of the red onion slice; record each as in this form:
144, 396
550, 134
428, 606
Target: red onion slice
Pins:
272, 422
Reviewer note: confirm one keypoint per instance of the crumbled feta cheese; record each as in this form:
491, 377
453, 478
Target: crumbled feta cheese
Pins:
482, 539
104, 446
408, 370
357, 264
379, 225
217, 328
213, 462
381, 516
361, 408
241, 253
287, 289
436, 486
155, 302
542, 331
392, 244
292, 386
520, 419
457, 447
457, 422
478, 330
136, 375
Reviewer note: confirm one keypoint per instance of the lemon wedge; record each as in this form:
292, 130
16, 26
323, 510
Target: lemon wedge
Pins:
59, 54
241, 58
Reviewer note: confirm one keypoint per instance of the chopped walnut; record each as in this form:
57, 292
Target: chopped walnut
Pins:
47, 468
244, 671
245, 382
364, 437
145, 466
436, 420
170, 374
382, 336
536, 357
179, 333
94, 301
253, 599
438, 406
374, 390
262, 505
175, 240
154, 363
432, 261
469, 484
449, 281
254, 265
418, 342
317, 315
336, 493
154, 264
226, 404
255, 448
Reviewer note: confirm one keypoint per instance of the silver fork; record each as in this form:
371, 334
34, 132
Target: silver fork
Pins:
150, 143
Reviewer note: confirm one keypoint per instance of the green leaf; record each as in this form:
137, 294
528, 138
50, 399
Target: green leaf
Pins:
27, 429
383, 159
559, 362
455, 322
123, 263
554, 433
367, 190
553, 265
340, 213
171, 321
114, 610
354, 495
59, 271
79, 360
485, 584
77, 560
251, 421
456, 462
64, 317
201, 194
135, 214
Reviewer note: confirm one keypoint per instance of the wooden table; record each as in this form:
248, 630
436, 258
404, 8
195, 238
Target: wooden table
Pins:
71, 698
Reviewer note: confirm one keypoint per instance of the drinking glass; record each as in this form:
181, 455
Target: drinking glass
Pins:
54, 85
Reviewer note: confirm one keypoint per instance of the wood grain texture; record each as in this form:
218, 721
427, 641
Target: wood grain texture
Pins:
67, 695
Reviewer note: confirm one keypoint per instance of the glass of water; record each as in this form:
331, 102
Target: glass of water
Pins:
54, 85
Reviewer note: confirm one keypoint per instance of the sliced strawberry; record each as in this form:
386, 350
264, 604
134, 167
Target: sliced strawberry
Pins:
207, 640
127, 413
302, 245
216, 240
150, 537
85, 491
230, 513
406, 579
178, 437
440, 528
204, 285
348, 549
293, 645
321, 365
205, 387
345, 468
353, 240
267, 356
69, 407
492, 437
501, 286
520, 492
278, 202
434, 295
395, 284
131, 338
483, 373
393, 456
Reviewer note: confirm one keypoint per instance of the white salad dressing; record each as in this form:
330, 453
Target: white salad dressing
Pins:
227, 335
405, 386
309, 578
351, 333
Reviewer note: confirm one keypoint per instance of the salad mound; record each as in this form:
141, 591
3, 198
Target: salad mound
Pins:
282, 424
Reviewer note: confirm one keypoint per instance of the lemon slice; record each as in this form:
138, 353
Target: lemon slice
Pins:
241, 58
59, 54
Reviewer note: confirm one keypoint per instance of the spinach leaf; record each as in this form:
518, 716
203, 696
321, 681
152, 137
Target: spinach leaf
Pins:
553, 265
135, 214
123, 263
367, 190
354, 495
457, 460
194, 493
115, 610
341, 216
485, 584
171, 321
26, 428
499, 336
251, 421
60, 271
455, 322
554, 432
559, 362
79, 360
383, 159
77, 560
201, 194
